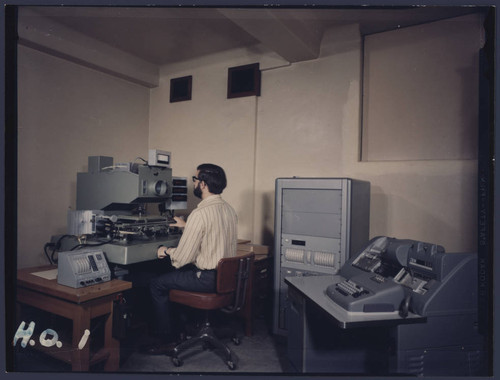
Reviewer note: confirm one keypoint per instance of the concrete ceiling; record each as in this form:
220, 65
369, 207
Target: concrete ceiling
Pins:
162, 35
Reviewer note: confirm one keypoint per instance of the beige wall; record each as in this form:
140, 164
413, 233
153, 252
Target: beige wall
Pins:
210, 127
305, 123
67, 113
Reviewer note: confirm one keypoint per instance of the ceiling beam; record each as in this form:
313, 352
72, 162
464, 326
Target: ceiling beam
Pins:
43, 34
279, 31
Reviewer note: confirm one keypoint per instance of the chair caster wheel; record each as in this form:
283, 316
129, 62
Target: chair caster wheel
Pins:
231, 365
236, 341
177, 362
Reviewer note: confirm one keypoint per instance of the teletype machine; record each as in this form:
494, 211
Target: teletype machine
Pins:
399, 306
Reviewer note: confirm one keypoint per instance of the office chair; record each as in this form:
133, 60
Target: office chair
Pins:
233, 274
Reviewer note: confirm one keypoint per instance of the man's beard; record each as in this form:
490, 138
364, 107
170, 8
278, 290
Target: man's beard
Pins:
197, 191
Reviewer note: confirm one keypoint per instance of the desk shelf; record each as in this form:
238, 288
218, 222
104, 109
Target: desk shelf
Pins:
65, 355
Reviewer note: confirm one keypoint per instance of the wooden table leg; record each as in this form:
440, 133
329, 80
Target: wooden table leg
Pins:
248, 317
80, 357
112, 344
247, 310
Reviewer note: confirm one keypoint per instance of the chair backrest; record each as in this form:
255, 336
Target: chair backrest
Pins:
233, 274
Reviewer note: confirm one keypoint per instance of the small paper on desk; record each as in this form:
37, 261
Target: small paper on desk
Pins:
50, 274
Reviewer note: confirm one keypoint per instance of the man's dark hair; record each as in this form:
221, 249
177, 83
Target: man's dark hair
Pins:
213, 176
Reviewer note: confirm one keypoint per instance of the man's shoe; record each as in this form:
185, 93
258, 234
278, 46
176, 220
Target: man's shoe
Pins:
161, 349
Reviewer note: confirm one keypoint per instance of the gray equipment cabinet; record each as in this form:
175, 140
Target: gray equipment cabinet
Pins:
319, 223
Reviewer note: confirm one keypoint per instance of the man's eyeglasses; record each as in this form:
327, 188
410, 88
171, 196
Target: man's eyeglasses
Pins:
195, 178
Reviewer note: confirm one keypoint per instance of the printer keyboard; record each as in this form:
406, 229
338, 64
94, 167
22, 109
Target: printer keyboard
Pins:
350, 288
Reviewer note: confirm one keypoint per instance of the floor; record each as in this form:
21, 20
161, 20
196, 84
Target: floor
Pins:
261, 353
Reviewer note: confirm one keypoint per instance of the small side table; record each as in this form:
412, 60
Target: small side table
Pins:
80, 305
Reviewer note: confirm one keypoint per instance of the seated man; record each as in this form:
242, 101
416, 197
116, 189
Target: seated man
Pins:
210, 234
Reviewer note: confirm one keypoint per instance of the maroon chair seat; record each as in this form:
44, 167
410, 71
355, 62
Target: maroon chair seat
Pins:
204, 301
231, 286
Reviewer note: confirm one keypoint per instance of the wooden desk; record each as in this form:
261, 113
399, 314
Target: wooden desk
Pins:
258, 290
80, 306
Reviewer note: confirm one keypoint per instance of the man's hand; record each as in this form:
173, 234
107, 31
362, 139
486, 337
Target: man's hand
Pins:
179, 222
162, 252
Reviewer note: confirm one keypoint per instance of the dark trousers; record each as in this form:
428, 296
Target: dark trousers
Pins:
186, 278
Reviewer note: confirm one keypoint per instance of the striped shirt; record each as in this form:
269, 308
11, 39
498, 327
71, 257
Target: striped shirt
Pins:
209, 235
